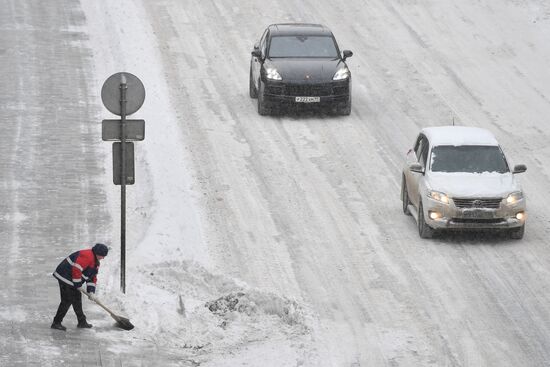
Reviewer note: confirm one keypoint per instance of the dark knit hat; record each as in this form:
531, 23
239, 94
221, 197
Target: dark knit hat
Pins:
100, 249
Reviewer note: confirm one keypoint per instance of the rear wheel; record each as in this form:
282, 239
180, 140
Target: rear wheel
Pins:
405, 196
251, 87
517, 233
424, 230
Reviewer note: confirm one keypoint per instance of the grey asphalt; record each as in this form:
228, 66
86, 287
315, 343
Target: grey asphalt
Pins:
52, 195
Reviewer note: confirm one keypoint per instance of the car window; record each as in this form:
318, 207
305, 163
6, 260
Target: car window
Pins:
262, 39
418, 146
302, 46
263, 42
468, 158
424, 152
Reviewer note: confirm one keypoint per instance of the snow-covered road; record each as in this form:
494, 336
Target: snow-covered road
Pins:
296, 216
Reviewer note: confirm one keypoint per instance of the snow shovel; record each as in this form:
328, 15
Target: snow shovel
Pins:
121, 322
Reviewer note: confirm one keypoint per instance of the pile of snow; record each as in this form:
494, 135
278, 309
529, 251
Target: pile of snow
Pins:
181, 305
254, 303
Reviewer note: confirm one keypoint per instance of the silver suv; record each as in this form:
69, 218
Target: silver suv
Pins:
457, 177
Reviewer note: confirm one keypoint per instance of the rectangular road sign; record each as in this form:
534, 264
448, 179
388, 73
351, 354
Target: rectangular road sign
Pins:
111, 130
117, 163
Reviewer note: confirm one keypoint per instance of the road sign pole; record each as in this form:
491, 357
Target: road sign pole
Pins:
123, 88
123, 94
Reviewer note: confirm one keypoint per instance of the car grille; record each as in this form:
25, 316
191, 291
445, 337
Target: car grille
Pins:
491, 203
277, 90
308, 90
344, 89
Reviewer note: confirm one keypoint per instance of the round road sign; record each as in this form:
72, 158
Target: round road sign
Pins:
110, 93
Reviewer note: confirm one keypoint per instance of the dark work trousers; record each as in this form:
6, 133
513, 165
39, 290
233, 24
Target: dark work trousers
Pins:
69, 296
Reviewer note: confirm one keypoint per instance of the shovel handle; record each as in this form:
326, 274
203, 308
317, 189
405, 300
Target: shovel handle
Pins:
96, 301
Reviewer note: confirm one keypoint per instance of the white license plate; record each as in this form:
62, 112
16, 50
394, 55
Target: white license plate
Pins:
308, 99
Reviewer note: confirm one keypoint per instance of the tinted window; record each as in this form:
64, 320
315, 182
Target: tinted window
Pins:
418, 147
302, 46
421, 150
423, 153
468, 158
263, 43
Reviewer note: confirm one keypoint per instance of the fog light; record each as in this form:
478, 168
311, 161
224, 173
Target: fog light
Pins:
434, 215
520, 215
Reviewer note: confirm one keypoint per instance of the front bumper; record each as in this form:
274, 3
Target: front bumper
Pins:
284, 93
497, 215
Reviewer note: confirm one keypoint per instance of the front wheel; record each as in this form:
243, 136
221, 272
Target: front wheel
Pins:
405, 196
262, 109
424, 230
251, 87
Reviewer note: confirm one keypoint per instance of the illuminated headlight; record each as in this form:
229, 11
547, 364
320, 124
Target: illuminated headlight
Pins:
273, 74
439, 196
434, 215
514, 197
341, 74
520, 216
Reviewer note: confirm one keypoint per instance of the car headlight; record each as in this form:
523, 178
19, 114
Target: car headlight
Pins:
514, 197
341, 74
273, 74
439, 196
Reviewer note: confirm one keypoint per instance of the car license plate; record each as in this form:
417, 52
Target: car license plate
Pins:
477, 214
308, 99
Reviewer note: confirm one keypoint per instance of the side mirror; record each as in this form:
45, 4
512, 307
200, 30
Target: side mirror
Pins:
256, 53
416, 167
520, 168
347, 53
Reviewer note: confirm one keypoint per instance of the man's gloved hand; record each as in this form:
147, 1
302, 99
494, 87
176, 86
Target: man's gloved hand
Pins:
90, 293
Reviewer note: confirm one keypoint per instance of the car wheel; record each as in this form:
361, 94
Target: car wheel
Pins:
251, 87
262, 109
405, 196
424, 230
517, 233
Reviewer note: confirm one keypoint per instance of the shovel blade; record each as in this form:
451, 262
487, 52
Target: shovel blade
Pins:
123, 322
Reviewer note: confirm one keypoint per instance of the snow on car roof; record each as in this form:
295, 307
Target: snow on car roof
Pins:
459, 135
302, 29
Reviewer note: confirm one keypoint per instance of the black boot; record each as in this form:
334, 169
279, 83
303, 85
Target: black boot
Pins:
58, 326
84, 325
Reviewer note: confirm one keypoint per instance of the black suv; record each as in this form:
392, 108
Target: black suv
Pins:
300, 64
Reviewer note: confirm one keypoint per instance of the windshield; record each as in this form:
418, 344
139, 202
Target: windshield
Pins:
468, 158
302, 46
